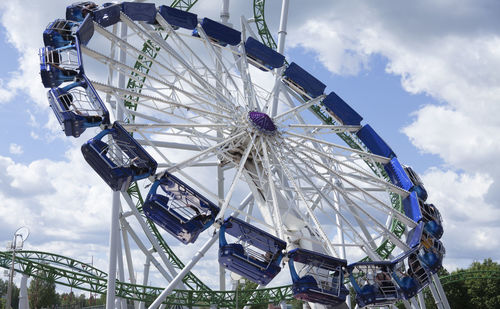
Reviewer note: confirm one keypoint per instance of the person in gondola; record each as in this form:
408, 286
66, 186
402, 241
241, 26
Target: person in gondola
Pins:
69, 105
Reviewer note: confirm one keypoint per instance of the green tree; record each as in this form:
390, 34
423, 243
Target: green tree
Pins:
481, 292
3, 292
42, 293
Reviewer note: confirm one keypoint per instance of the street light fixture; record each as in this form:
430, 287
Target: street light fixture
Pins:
22, 233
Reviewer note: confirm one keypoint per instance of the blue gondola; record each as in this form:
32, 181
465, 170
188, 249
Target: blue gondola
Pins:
299, 78
408, 271
262, 56
256, 255
397, 174
418, 185
85, 31
108, 14
408, 281
219, 33
140, 11
432, 219
320, 279
431, 253
374, 142
178, 18
341, 111
78, 11
121, 160
412, 208
60, 33
77, 107
59, 65
179, 209
373, 284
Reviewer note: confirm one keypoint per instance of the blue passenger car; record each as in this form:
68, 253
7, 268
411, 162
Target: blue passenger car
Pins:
262, 56
418, 185
178, 18
60, 33
120, 160
179, 209
219, 33
341, 111
317, 277
397, 174
431, 253
374, 142
77, 107
432, 219
407, 280
255, 254
59, 65
300, 79
108, 14
373, 284
78, 11
140, 11
412, 208
408, 272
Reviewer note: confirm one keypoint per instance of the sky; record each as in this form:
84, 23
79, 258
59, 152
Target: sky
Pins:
424, 74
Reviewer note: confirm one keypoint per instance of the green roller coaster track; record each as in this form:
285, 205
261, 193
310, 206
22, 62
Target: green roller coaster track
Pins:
71, 273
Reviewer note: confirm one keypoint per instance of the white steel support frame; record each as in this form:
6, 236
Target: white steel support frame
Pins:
193, 117
281, 50
116, 205
23, 293
113, 249
440, 291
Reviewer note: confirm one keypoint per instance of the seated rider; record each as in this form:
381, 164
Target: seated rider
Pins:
67, 102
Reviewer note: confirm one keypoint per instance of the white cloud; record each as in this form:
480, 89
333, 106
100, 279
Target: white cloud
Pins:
15, 149
6, 93
470, 222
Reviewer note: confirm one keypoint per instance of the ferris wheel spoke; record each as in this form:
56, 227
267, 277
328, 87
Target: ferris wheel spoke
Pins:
124, 69
218, 59
243, 66
276, 210
388, 208
356, 209
362, 154
329, 128
203, 155
281, 117
337, 188
149, 36
236, 177
217, 95
183, 45
136, 53
368, 242
355, 172
311, 214
123, 93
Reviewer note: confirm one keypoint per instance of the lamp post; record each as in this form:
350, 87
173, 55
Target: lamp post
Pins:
22, 233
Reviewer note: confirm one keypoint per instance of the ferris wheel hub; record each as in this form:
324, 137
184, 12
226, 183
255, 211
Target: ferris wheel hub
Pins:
262, 122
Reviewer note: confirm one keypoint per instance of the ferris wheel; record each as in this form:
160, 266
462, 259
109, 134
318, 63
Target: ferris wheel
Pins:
213, 138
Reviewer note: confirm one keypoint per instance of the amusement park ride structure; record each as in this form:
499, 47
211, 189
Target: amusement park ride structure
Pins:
205, 99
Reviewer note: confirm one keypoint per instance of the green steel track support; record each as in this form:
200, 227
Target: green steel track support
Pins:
82, 276
75, 274
397, 227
